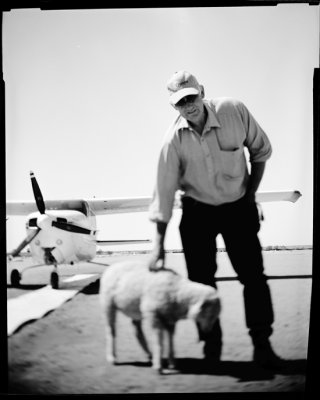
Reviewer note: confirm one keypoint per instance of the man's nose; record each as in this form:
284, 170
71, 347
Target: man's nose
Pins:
189, 105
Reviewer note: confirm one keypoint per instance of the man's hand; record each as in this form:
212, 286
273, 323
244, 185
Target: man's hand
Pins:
257, 171
156, 261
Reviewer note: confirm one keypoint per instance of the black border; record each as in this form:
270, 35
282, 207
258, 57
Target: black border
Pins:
314, 335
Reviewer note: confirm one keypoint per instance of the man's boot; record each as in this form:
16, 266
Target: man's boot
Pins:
265, 356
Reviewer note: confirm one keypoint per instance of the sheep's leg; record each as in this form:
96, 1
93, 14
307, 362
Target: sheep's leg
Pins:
157, 348
141, 338
111, 355
171, 355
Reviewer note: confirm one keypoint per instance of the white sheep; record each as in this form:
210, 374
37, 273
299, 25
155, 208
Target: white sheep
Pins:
161, 298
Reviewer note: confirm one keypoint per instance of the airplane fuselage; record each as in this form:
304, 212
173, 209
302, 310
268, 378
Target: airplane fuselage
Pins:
56, 246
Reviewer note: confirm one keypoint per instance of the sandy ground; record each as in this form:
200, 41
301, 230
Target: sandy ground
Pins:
63, 353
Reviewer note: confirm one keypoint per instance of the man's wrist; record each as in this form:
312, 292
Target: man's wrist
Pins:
250, 195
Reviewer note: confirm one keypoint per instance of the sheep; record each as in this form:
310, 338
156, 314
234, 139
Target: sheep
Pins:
161, 298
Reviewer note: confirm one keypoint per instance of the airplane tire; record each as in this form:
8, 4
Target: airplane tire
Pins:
15, 278
54, 280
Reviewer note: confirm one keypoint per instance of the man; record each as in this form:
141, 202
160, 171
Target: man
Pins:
203, 155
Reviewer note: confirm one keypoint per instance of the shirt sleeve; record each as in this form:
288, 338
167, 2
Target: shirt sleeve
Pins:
257, 141
167, 183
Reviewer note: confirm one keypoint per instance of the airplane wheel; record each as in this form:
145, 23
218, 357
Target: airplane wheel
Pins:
15, 278
54, 280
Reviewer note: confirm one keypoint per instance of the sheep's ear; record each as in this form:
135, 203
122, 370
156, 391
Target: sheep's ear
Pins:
205, 305
197, 308
213, 304
210, 305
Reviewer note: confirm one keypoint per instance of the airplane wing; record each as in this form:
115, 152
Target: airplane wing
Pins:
112, 242
292, 196
20, 207
125, 205
139, 204
120, 205
98, 206
29, 206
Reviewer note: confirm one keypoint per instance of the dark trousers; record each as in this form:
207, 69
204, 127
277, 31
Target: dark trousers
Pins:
238, 223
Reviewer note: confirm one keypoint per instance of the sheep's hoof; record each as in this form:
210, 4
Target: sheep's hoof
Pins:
171, 364
169, 371
159, 371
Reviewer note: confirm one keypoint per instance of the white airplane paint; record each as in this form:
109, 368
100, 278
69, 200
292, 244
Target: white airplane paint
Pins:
65, 231
35, 305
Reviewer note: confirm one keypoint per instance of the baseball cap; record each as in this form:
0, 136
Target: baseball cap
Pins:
182, 84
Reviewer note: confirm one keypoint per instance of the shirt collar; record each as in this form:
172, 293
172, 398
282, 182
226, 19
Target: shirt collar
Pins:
212, 119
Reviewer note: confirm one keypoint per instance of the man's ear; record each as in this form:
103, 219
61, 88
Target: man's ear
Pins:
202, 91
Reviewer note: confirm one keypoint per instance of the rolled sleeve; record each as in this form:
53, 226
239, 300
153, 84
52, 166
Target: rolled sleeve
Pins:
257, 141
167, 183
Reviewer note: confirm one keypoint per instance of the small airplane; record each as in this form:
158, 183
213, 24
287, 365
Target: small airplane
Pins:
65, 231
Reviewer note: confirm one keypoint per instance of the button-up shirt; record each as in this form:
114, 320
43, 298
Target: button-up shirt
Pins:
212, 167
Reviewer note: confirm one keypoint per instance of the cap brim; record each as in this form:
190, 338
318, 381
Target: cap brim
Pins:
175, 97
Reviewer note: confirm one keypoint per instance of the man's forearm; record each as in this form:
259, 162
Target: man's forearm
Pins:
257, 171
158, 254
161, 228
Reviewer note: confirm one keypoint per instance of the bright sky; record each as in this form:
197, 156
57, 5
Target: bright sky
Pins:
87, 107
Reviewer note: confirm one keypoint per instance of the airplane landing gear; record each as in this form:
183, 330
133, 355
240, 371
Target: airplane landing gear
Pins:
15, 278
54, 279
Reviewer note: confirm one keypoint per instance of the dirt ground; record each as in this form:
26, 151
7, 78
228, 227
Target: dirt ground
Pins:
63, 353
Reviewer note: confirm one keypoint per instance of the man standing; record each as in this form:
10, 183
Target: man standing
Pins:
203, 155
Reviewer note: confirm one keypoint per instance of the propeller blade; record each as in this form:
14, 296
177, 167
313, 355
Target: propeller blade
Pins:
37, 194
24, 243
71, 228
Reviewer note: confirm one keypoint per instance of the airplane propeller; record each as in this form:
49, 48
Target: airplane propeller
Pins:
44, 221
24, 243
71, 228
41, 207
37, 194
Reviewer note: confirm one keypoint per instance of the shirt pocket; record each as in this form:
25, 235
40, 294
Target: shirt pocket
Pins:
232, 163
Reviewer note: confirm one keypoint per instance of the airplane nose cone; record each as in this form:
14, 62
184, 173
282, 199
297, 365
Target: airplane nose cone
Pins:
44, 222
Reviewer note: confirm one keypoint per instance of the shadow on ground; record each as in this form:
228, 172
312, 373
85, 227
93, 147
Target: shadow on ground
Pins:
242, 370
92, 288
26, 286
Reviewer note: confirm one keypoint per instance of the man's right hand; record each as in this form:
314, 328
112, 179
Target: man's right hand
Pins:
156, 261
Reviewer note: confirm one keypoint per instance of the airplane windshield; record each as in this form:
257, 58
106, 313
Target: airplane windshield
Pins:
76, 205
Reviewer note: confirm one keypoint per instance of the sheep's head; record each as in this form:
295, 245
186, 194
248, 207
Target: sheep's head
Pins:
206, 313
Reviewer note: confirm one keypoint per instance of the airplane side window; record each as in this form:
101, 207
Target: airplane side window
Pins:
85, 208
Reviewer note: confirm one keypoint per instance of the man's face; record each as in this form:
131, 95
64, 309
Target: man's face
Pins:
191, 108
